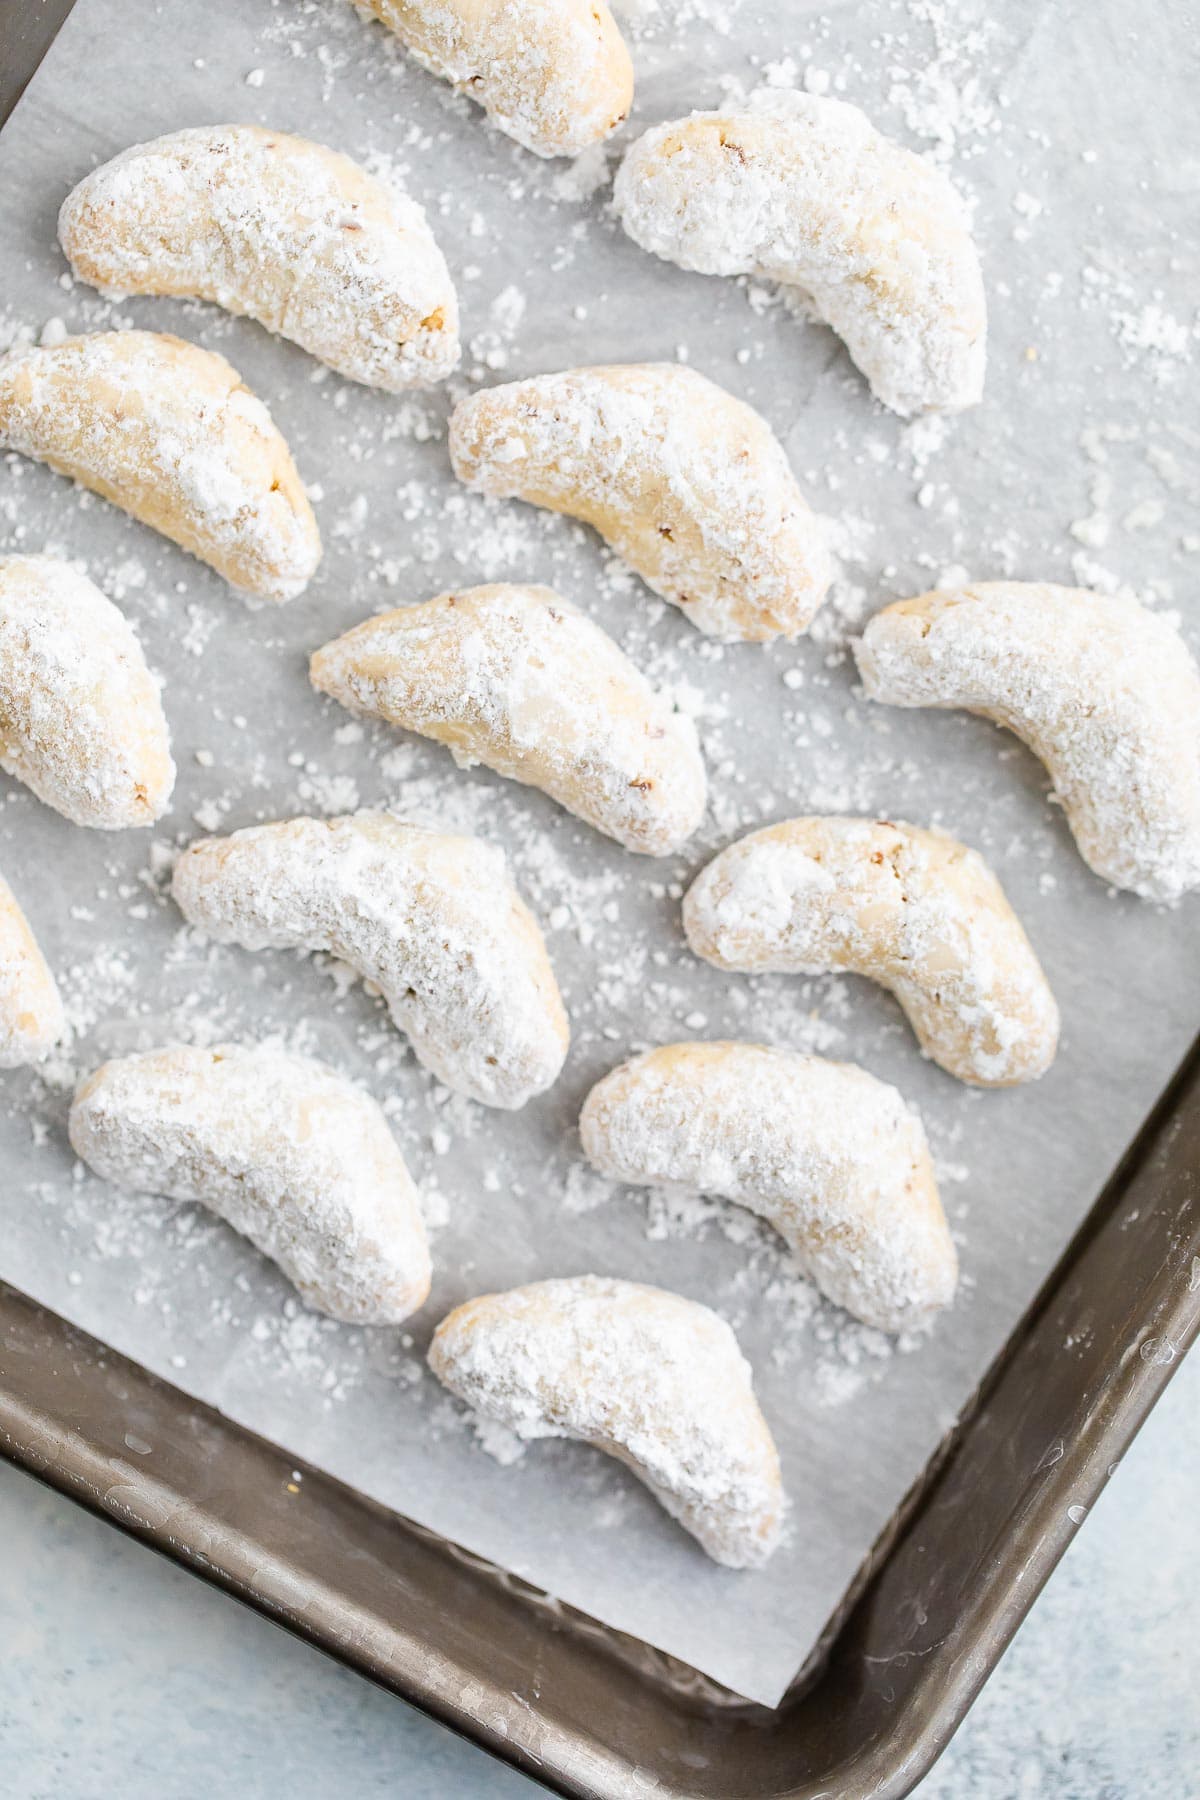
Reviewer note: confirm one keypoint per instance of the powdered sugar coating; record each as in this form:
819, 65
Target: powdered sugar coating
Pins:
830, 1156
81, 722
297, 1159
433, 920
653, 1379
803, 190
554, 74
294, 235
1103, 691
519, 679
913, 909
32, 1020
688, 484
168, 432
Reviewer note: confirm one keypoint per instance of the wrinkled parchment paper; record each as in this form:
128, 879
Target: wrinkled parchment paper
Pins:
1081, 466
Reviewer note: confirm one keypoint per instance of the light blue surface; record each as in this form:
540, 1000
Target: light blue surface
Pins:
121, 1674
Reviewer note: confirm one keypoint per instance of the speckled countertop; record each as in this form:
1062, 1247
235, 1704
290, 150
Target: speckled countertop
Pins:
123, 1674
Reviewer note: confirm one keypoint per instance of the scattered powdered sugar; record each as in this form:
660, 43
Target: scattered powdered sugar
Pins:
586, 174
651, 18
497, 1441
583, 1191
1157, 331
945, 99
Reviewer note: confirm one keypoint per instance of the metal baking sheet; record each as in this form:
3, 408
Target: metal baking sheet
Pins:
593, 1714
1077, 467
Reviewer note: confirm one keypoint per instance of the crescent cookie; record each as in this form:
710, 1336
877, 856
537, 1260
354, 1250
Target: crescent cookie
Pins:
81, 722
686, 483
295, 1158
434, 921
830, 1157
803, 190
32, 1020
553, 74
655, 1380
168, 432
1104, 691
915, 910
520, 680
280, 229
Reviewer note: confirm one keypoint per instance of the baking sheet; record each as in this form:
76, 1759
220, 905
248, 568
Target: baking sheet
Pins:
1082, 465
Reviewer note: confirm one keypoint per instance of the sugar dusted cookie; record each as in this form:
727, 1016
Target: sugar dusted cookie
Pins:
802, 190
32, 1020
554, 74
519, 679
292, 234
1104, 691
168, 432
828, 1155
295, 1158
688, 484
81, 722
433, 920
655, 1380
912, 909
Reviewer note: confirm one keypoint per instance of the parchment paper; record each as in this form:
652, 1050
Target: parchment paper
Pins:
1079, 143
